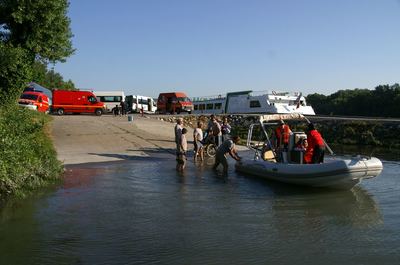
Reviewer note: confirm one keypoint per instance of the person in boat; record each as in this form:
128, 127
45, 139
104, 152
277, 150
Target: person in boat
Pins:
316, 146
302, 146
181, 159
197, 141
282, 135
227, 147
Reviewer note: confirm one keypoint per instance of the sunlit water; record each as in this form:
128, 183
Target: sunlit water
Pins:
141, 211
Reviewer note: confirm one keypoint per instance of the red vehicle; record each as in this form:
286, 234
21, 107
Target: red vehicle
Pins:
174, 102
35, 100
76, 102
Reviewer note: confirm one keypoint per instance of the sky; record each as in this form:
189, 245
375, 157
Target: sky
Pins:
211, 47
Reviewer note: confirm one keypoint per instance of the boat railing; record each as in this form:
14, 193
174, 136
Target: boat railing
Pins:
207, 98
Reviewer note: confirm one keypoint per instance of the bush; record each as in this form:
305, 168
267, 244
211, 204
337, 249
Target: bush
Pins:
15, 72
28, 159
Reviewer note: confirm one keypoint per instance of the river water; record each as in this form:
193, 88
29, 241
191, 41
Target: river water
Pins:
141, 211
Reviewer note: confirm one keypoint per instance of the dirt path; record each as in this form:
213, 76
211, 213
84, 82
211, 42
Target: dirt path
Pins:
87, 138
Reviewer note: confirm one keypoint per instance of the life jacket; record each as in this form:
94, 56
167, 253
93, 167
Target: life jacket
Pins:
308, 155
314, 138
282, 136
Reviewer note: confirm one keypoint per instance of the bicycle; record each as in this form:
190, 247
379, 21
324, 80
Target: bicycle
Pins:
210, 148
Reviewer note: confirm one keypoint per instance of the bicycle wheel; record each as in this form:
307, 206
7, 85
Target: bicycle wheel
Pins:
211, 150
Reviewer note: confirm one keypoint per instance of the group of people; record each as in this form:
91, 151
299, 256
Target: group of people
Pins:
219, 135
120, 109
313, 146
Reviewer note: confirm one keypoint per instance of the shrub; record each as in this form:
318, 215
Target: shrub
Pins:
27, 156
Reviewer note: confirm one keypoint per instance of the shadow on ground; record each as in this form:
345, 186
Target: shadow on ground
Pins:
149, 154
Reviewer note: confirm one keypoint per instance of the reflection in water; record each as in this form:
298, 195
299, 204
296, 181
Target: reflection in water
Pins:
355, 208
144, 212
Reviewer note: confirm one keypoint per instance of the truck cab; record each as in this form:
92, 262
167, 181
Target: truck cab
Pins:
35, 100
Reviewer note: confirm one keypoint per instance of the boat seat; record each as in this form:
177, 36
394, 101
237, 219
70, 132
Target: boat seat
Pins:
268, 156
296, 156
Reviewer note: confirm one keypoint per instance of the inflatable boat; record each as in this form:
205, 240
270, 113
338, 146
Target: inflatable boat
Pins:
335, 172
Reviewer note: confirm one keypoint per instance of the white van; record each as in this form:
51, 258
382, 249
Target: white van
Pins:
136, 103
110, 99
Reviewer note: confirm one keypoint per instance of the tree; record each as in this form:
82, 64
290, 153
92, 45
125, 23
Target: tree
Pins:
29, 31
15, 72
49, 78
40, 26
384, 101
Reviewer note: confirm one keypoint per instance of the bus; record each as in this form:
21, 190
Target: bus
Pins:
136, 103
111, 99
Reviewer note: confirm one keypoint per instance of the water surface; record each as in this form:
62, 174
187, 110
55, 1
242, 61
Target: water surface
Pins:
141, 211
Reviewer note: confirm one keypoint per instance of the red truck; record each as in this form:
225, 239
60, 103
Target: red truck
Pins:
35, 100
174, 102
76, 101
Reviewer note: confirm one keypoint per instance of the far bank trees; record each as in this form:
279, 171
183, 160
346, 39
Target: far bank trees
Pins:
384, 101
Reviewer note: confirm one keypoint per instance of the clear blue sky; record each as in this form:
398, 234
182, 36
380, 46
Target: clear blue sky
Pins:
209, 47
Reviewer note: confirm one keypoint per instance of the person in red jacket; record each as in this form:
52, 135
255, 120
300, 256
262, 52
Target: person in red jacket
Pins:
316, 146
282, 134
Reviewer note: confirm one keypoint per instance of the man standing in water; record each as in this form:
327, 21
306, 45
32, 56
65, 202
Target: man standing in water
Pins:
227, 147
181, 157
178, 134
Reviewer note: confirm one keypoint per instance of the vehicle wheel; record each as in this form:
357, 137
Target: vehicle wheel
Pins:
98, 112
189, 112
211, 150
60, 112
178, 111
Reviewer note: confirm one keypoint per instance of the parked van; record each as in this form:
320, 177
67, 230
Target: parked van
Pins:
137, 103
174, 102
35, 100
76, 102
32, 86
111, 99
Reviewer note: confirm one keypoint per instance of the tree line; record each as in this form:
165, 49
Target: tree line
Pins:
383, 101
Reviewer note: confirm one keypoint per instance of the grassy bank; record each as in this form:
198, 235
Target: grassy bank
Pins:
27, 156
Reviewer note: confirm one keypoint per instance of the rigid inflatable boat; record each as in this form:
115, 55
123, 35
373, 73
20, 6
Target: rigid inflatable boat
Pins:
335, 172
